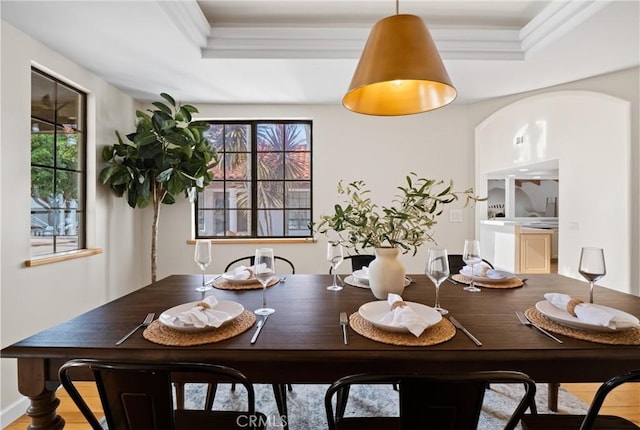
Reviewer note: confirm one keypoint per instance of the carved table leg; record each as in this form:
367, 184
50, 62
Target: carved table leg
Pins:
43, 412
32, 382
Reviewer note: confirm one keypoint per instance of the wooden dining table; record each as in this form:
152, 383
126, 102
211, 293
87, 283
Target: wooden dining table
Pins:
302, 342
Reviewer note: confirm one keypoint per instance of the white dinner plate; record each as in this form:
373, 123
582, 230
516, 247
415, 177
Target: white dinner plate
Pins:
501, 276
374, 311
166, 318
356, 282
562, 317
361, 275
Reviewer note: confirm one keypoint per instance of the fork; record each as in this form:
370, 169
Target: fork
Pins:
523, 319
343, 322
144, 323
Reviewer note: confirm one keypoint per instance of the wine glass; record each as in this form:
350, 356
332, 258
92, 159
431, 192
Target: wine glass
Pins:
592, 267
202, 257
264, 270
471, 256
438, 270
335, 256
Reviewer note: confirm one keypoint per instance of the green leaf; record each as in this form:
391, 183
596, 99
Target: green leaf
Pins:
168, 98
145, 138
175, 185
132, 197
150, 151
107, 153
168, 199
106, 174
164, 175
186, 114
190, 108
163, 107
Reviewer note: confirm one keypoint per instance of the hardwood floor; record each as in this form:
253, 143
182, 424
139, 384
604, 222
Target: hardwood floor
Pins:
623, 401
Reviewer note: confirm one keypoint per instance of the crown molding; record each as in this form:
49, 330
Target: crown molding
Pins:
346, 42
189, 19
556, 20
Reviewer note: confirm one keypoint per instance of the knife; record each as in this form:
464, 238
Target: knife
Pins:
465, 331
260, 325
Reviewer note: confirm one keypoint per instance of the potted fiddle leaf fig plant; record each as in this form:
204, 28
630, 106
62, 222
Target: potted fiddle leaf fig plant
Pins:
399, 228
166, 156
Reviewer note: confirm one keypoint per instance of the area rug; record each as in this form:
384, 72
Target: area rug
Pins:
306, 403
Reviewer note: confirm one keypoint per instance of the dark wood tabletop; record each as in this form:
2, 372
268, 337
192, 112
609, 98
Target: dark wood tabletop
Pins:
302, 342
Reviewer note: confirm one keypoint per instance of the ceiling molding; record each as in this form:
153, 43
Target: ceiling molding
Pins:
346, 42
189, 19
556, 20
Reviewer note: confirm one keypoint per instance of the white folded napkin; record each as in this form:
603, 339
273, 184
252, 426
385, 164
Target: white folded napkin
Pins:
240, 273
482, 270
363, 273
588, 313
401, 315
203, 314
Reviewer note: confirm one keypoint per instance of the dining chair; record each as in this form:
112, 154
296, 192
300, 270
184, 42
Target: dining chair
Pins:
358, 261
279, 390
456, 263
591, 420
251, 259
450, 402
138, 396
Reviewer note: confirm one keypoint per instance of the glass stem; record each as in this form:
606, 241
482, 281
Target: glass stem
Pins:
473, 284
334, 276
264, 295
203, 277
590, 291
437, 296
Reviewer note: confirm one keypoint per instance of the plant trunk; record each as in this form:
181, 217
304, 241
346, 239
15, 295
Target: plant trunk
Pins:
158, 195
154, 238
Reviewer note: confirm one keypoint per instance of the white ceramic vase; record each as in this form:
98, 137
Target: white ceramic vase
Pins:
386, 273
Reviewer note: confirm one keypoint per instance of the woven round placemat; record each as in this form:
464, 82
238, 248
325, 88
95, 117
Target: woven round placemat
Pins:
159, 333
223, 284
508, 283
626, 337
439, 333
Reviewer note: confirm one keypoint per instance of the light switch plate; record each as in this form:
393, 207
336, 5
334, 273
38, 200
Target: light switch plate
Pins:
455, 215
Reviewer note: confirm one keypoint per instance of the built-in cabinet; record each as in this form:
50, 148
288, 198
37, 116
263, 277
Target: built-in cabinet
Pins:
514, 248
534, 249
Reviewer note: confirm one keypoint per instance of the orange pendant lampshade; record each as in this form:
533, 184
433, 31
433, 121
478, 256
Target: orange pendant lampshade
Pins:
400, 71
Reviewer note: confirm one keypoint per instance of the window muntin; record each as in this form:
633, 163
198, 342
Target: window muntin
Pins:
262, 185
58, 177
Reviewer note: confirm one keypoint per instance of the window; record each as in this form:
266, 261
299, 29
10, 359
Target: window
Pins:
262, 185
58, 177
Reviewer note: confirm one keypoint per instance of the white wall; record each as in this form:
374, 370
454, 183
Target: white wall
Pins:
594, 169
380, 151
624, 85
35, 298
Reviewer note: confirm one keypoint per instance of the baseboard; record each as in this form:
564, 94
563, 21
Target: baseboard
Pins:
13, 412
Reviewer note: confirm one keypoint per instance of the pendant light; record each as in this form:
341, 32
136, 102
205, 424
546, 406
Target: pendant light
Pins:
400, 71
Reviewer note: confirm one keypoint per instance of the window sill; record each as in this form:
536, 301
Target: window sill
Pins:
249, 240
63, 256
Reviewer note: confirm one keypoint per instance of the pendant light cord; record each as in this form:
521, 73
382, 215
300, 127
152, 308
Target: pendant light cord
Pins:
397, 7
